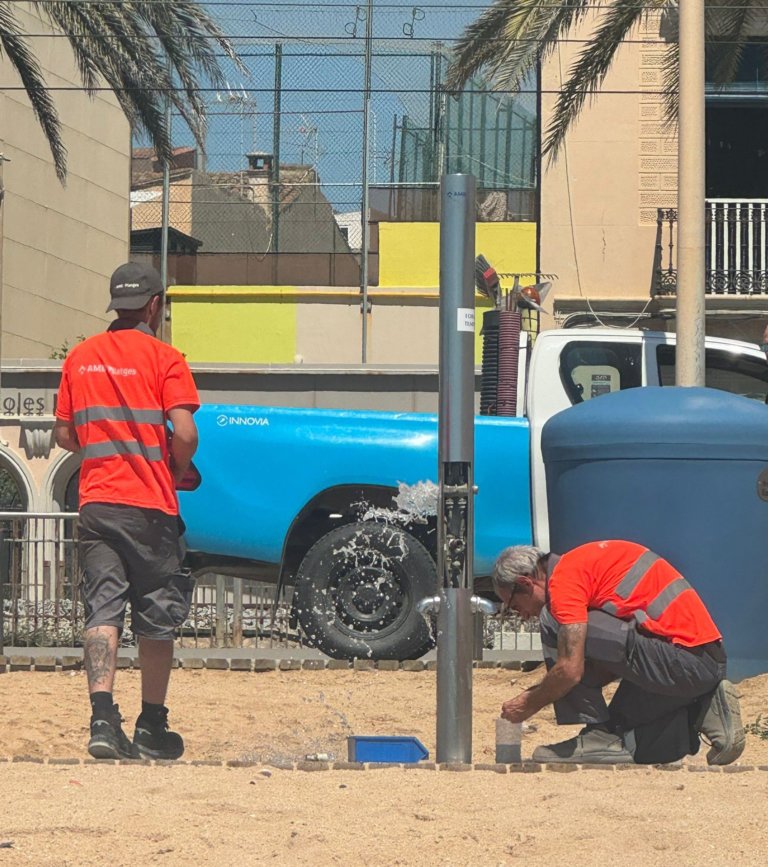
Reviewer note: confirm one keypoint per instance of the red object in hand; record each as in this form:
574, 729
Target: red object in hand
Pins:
191, 479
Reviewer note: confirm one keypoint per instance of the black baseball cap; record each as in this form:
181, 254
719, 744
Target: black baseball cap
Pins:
132, 285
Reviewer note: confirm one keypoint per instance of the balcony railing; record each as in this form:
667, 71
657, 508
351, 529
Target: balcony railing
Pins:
736, 248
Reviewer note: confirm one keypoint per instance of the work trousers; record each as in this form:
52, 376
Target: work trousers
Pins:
659, 698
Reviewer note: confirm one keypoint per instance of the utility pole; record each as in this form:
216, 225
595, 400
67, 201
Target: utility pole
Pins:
276, 121
166, 208
3, 161
691, 156
366, 193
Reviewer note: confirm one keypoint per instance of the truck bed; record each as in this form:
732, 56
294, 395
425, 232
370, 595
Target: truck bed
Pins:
261, 465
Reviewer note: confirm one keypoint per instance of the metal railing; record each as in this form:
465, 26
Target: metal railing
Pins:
736, 248
42, 605
39, 578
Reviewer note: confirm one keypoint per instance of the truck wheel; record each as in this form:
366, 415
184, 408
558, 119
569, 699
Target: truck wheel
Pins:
357, 589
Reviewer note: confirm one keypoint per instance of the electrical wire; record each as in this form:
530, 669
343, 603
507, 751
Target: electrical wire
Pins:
569, 192
321, 6
346, 40
18, 88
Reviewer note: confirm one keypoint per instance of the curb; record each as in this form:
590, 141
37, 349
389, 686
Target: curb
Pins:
448, 767
255, 665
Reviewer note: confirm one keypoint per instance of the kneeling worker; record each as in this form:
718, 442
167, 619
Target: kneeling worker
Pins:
615, 610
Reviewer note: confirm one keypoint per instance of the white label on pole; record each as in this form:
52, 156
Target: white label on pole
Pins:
465, 319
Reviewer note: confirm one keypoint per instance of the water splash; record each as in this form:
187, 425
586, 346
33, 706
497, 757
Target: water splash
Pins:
415, 504
376, 555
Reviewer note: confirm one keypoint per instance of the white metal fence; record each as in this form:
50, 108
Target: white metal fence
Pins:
42, 605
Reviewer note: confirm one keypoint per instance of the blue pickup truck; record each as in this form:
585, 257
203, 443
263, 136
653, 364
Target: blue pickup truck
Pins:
322, 500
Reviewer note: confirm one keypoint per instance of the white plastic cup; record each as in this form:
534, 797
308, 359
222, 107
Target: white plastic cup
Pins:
508, 742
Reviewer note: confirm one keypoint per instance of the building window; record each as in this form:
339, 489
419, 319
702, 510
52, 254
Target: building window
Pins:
12, 498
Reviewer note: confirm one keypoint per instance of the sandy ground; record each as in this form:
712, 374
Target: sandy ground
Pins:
88, 814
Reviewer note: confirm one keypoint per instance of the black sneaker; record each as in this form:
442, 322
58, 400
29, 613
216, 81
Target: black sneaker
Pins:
155, 741
108, 740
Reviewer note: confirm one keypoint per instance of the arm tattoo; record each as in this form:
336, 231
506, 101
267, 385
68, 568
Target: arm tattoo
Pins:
569, 637
98, 658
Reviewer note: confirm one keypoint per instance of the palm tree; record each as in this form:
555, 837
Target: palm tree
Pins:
508, 39
145, 52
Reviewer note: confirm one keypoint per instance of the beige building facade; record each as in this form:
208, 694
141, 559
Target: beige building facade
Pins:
59, 243
608, 202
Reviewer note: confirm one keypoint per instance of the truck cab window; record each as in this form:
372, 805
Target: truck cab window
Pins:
738, 374
591, 368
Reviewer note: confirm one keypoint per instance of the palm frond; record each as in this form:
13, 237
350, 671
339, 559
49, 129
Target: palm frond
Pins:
16, 49
196, 33
670, 77
729, 26
587, 73
505, 42
148, 53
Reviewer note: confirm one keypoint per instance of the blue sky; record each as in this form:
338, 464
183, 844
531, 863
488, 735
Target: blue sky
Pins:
322, 78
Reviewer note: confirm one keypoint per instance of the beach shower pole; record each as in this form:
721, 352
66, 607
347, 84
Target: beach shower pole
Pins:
456, 431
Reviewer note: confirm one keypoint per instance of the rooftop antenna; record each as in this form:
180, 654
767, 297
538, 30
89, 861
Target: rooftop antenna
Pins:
308, 132
246, 105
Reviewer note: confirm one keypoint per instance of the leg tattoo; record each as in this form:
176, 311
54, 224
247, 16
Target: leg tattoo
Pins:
101, 657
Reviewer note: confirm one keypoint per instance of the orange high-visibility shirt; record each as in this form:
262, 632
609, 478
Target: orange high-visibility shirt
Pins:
117, 388
630, 582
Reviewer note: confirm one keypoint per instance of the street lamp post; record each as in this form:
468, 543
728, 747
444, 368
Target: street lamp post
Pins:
456, 448
691, 273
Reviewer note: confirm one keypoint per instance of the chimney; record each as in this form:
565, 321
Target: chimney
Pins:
260, 165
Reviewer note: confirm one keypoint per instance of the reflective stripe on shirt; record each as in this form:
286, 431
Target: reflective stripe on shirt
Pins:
122, 447
118, 413
629, 583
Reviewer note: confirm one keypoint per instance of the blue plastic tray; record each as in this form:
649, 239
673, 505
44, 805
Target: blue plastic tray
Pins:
385, 748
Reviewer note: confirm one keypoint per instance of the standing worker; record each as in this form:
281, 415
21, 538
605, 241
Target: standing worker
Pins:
118, 390
615, 610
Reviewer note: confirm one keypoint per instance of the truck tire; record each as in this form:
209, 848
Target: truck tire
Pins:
357, 589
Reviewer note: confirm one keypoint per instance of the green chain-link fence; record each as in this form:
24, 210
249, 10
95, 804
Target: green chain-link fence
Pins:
282, 175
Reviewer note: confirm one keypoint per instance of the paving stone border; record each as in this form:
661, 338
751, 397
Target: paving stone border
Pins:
446, 767
21, 662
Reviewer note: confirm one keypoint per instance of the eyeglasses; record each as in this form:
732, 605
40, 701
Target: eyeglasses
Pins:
506, 608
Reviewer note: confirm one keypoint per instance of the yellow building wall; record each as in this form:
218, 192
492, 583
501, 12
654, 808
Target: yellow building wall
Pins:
235, 323
287, 324
409, 253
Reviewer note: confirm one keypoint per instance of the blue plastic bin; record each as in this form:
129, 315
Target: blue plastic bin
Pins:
685, 472
385, 748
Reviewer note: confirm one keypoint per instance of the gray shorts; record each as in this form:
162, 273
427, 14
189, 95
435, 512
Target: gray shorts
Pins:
133, 555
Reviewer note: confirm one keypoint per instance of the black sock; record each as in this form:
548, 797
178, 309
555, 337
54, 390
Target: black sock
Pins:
153, 714
101, 705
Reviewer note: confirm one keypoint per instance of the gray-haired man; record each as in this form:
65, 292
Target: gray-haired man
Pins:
615, 610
